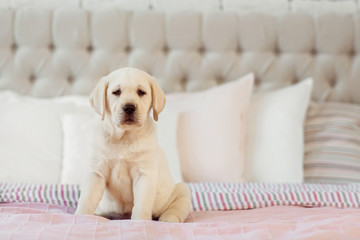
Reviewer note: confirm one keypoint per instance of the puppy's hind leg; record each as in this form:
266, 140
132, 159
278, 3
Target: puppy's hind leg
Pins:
179, 207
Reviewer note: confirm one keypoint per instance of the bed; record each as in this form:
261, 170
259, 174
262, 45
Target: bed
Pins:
287, 84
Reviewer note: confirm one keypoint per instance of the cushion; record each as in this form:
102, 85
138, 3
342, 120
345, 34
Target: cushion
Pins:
78, 137
28, 152
274, 150
332, 143
31, 138
211, 131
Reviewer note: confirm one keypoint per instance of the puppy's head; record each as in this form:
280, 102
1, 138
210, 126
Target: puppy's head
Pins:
126, 96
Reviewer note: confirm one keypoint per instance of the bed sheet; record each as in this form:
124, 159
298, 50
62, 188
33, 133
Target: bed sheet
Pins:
48, 221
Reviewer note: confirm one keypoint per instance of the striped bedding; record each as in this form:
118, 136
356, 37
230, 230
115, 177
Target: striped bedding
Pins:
332, 143
210, 196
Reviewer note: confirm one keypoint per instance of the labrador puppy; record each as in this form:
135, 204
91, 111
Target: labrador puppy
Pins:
129, 172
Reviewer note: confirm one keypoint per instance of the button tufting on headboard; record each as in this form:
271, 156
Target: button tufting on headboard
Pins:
66, 51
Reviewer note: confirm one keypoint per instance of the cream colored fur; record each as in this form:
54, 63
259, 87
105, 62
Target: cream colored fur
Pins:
130, 174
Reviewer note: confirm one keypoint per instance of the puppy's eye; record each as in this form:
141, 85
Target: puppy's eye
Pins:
117, 92
141, 93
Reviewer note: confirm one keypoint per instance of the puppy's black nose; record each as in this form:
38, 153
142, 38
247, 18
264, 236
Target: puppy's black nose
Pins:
129, 108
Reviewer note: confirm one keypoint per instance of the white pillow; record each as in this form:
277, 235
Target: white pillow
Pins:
30, 142
31, 137
275, 129
211, 131
78, 136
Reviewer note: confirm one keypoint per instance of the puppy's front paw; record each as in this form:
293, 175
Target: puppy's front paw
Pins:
82, 211
169, 218
140, 216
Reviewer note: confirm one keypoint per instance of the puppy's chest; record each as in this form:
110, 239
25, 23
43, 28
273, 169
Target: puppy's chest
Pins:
120, 181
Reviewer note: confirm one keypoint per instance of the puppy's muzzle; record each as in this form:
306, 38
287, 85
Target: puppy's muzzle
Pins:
129, 115
129, 109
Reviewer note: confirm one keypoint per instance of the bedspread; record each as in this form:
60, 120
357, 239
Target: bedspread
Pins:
46, 221
219, 211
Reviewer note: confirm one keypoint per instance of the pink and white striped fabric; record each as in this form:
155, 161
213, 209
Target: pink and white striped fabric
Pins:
332, 143
210, 196
59, 194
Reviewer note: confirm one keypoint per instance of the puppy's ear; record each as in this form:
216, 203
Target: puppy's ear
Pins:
98, 98
158, 98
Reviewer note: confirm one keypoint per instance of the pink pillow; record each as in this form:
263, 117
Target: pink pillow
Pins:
211, 131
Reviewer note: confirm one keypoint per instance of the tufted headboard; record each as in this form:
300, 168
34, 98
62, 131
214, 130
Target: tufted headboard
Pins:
55, 52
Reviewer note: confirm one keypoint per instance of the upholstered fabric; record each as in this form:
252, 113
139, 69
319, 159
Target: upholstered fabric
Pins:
65, 51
